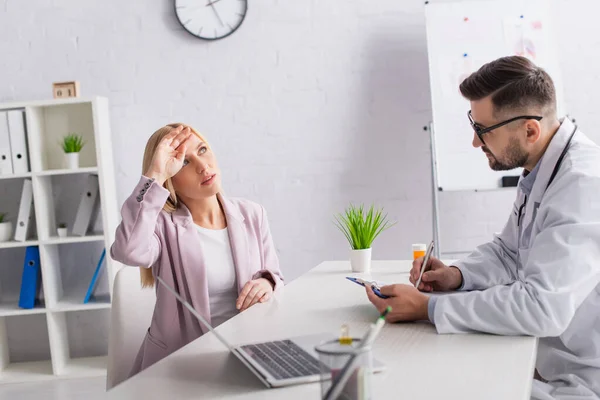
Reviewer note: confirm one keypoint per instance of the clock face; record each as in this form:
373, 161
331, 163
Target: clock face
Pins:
211, 19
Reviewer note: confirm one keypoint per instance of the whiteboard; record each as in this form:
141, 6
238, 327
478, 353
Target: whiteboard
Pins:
461, 37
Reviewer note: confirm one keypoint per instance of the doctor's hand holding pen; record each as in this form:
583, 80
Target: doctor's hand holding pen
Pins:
437, 277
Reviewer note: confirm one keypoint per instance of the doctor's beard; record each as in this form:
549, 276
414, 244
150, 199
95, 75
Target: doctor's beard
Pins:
514, 156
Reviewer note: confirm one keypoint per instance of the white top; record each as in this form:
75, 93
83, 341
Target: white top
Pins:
471, 366
419, 247
220, 274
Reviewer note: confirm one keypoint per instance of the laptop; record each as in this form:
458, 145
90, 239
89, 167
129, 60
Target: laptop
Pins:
278, 363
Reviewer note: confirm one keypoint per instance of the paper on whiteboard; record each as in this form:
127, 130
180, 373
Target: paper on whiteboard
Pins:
460, 67
525, 37
484, 31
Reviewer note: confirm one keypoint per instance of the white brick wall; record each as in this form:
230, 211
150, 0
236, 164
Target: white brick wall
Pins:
310, 105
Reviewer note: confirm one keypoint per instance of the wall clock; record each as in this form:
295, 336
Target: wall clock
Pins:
211, 19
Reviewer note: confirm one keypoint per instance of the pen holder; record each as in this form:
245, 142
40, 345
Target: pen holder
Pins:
333, 357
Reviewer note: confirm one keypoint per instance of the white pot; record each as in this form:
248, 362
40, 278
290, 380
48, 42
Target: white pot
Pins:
72, 160
62, 232
5, 231
360, 260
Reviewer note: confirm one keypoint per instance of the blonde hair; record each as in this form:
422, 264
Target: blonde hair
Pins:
172, 201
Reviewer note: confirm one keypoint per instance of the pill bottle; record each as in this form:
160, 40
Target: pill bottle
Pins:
419, 250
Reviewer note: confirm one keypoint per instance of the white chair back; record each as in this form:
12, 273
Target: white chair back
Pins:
131, 313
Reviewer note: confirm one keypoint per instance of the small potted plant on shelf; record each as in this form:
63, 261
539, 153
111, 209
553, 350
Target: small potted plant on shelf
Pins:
5, 228
72, 145
62, 230
360, 229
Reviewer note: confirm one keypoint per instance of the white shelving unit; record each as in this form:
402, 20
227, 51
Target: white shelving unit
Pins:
51, 340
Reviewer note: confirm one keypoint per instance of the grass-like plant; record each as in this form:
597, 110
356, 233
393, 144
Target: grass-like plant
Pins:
360, 227
2, 216
72, 143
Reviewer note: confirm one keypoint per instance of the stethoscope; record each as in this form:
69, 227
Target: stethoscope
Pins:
560, 159
554, 172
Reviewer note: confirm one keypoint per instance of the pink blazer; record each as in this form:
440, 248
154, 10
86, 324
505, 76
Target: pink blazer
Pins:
170, 245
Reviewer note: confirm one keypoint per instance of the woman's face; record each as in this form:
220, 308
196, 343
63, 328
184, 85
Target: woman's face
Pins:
200, 176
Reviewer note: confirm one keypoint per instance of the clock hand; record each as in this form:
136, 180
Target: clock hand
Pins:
215, 10
210, 3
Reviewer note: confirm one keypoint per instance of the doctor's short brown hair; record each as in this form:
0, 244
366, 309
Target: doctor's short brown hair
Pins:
514, 83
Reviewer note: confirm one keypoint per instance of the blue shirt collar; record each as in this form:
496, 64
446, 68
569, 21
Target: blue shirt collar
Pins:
528, 179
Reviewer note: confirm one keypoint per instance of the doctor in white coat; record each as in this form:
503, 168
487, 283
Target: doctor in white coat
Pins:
540, 276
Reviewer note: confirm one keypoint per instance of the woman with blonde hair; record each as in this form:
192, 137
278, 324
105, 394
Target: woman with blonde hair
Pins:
217, 252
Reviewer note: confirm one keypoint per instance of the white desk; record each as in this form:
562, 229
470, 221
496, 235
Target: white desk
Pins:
420, 363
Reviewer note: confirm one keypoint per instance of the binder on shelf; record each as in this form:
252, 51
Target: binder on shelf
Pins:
6, 167
24, 216
88, 207
18, 141
97, 227
30, 280
94, 281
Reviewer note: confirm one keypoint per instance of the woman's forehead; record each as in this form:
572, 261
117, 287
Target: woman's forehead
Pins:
193, 142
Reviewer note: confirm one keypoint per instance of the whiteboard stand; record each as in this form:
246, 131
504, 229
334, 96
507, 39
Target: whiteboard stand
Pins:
434, 193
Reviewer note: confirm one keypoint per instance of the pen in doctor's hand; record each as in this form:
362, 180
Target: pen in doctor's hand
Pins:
439, 277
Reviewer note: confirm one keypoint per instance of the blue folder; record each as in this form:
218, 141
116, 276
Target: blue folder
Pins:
94, 281
30, 280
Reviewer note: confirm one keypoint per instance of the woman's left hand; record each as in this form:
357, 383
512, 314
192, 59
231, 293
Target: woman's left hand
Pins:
255, 291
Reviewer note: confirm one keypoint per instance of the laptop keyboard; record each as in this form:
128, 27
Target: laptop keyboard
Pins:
283, 359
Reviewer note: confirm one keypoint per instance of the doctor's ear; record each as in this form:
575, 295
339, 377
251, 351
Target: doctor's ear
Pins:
534, 130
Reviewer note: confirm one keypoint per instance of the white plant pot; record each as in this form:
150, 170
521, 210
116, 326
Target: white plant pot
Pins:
360, 260
72, 160
62, 232
5, 231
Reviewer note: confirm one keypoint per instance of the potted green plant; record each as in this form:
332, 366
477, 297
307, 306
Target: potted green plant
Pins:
361, 227
62, 230
72, 145
5, 228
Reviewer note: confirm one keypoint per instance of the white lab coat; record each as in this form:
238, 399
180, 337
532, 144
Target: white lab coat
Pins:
547, 286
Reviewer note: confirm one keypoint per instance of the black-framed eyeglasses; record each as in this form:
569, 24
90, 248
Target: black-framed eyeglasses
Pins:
480, 130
